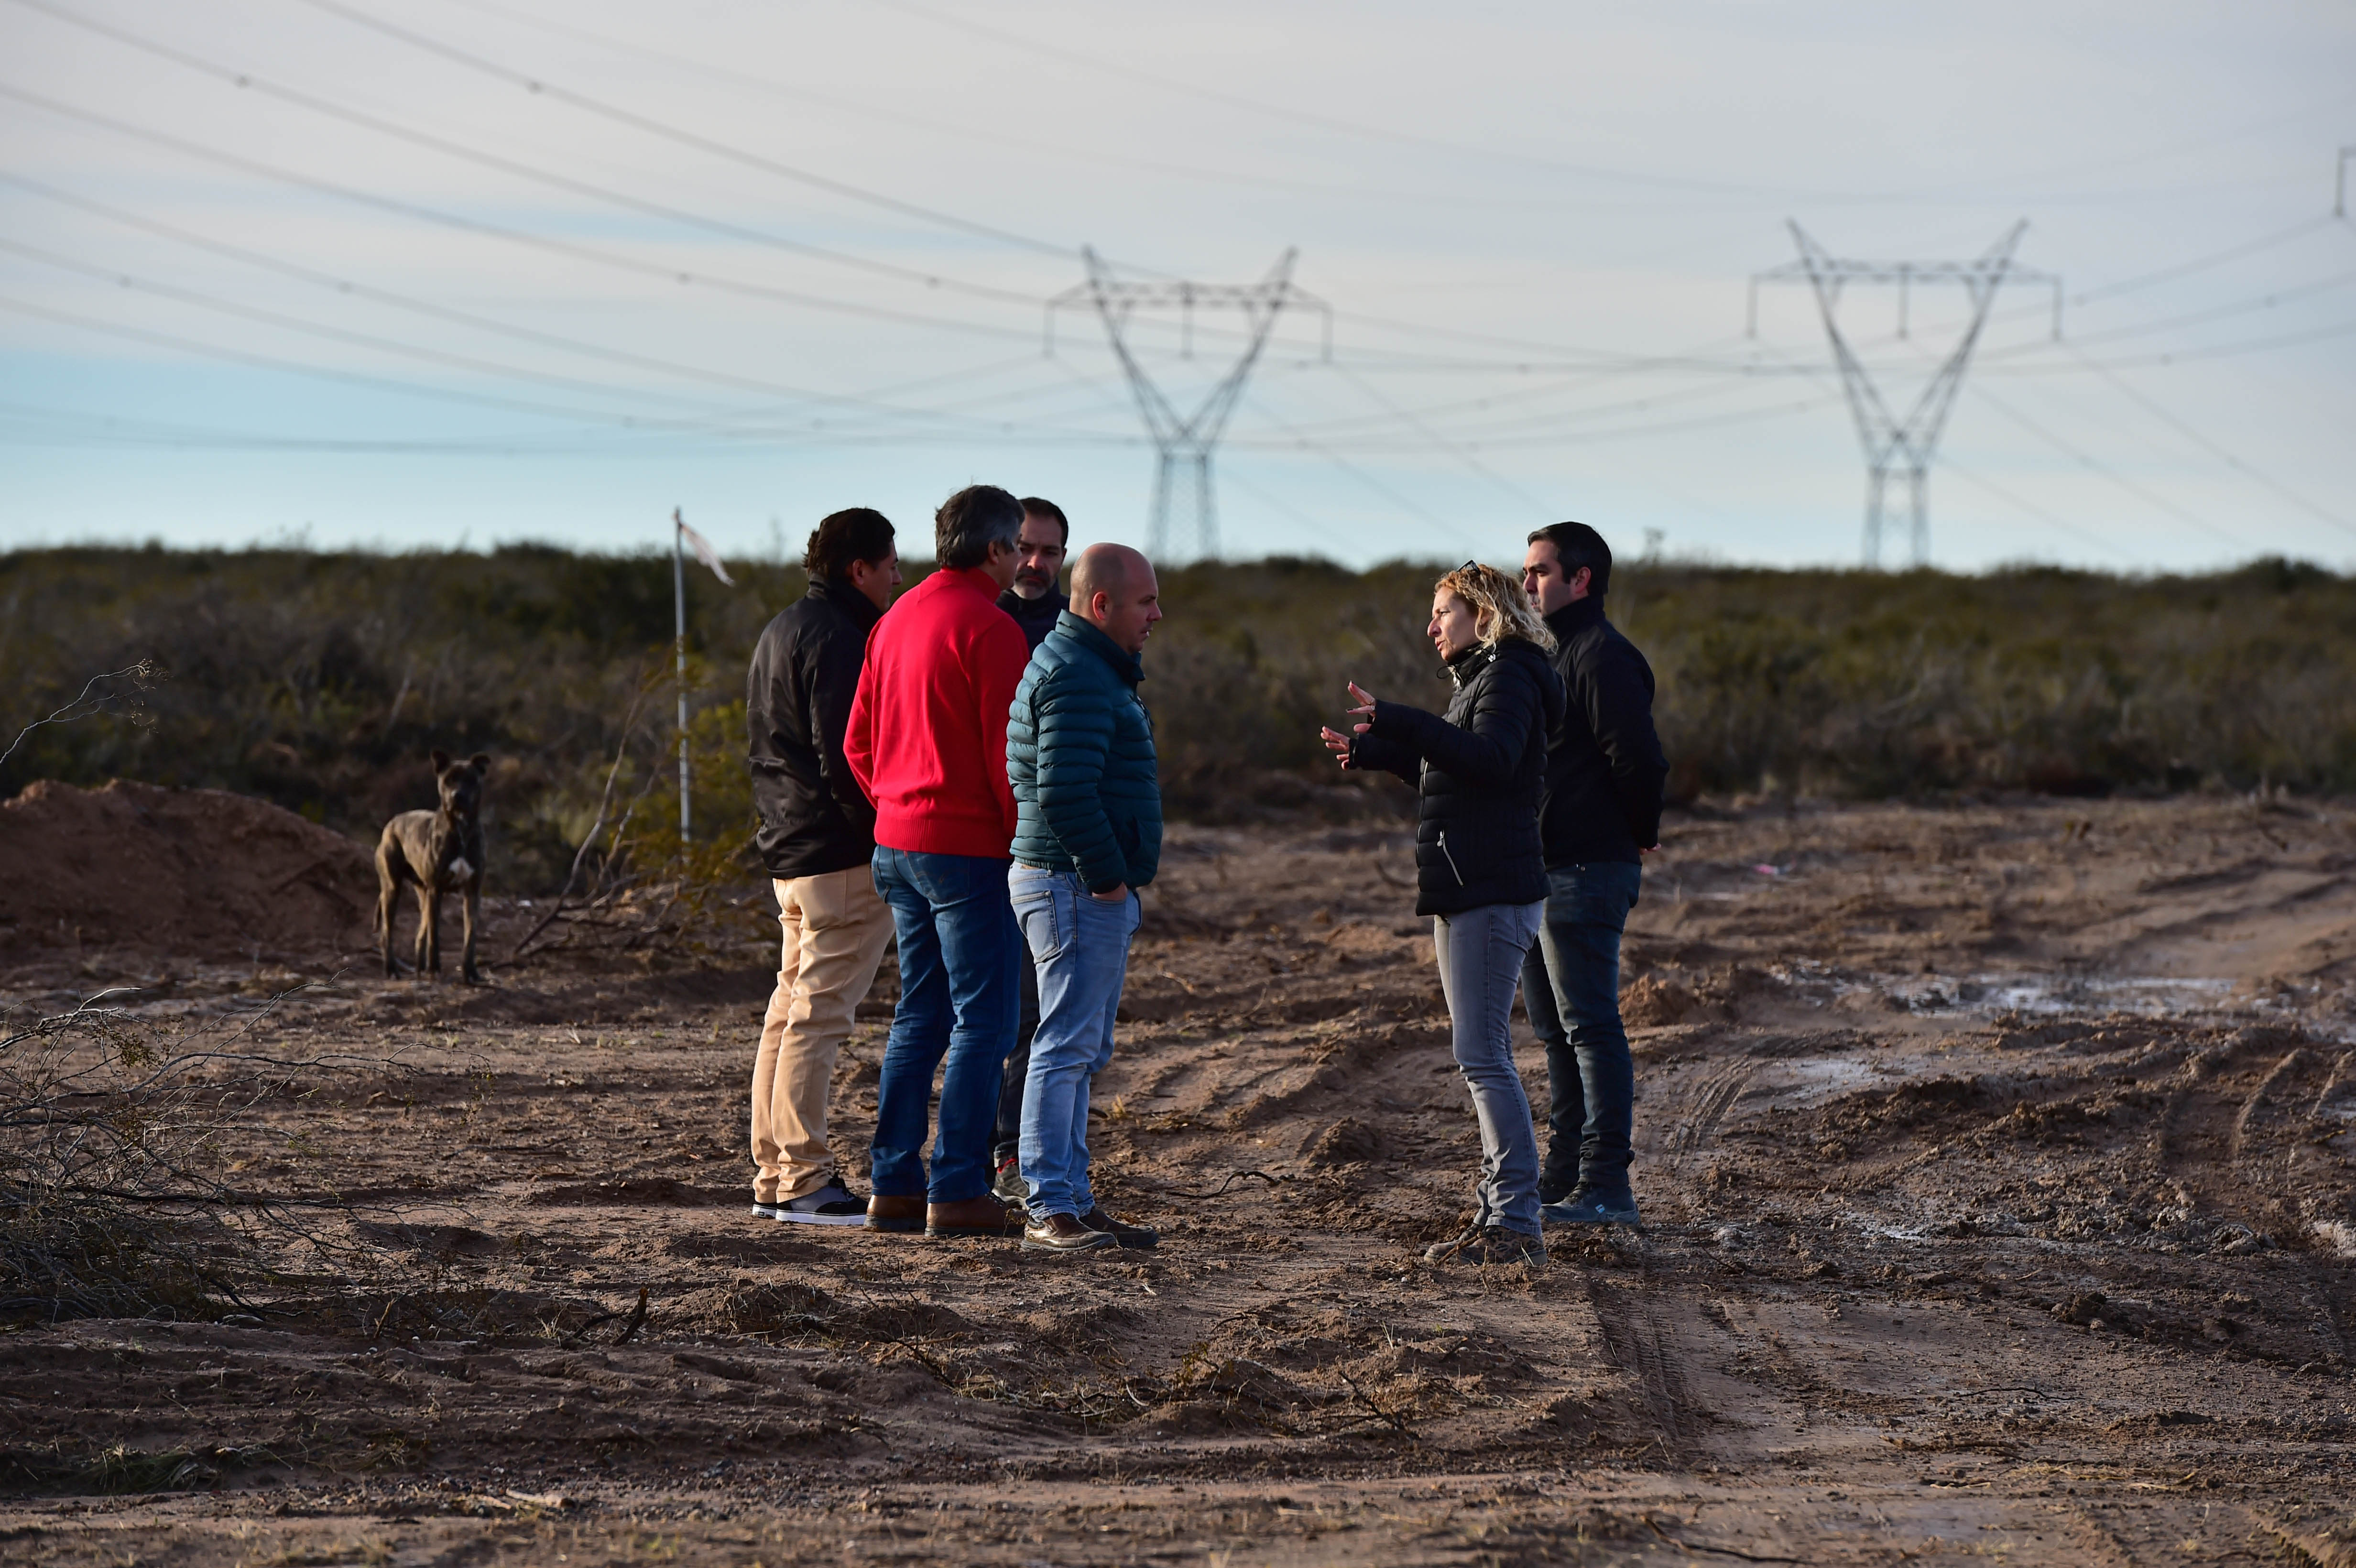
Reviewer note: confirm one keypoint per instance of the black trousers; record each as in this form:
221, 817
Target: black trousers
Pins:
1009, 1130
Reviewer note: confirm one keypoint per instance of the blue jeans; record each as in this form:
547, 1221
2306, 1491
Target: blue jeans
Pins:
1570, 987
957, 994
1480, 953
1080, 946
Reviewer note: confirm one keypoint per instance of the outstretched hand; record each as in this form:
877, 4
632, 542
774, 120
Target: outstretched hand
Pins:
1339, 744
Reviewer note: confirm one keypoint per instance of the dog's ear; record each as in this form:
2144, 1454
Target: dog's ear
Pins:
441, 760
480, 761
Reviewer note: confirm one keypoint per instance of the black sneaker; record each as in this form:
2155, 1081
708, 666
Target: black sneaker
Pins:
762, 1211
1009, 1183
833, 1204
1134, 1237
1589, 1207
1487, 1244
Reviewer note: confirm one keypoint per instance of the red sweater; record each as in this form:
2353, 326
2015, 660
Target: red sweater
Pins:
927, 738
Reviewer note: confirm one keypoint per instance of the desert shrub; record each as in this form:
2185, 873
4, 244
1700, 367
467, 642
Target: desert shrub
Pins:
131, 1154
319, 681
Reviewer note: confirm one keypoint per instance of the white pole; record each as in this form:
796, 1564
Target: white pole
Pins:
679, 606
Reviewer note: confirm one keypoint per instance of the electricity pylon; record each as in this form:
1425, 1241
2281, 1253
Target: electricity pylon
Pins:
1181, 480
1893, 445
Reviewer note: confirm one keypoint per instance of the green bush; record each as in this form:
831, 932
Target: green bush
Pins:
320, 681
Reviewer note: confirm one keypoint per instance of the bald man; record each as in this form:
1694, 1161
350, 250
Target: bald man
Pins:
1087, 803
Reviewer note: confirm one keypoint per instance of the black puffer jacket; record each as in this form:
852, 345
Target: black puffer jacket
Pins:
1479, 774
814, 817
1605, 770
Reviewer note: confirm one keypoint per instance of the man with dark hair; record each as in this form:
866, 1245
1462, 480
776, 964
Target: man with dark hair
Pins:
1602, 812
928, 741
817, 836
1036, 602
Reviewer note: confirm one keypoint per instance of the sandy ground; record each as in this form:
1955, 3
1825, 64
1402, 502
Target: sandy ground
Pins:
1996, 1161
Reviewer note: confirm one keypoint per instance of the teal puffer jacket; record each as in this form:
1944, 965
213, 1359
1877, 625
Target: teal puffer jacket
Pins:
1079, 752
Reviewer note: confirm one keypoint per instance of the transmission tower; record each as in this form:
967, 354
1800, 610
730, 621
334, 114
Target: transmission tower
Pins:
1182, 481
1894, 446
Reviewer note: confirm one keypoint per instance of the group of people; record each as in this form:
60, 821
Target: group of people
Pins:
967, 769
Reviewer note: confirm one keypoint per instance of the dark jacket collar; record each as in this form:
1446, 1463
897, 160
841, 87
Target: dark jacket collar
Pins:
1126, 665
842, 597
1470, 663
1046, 607
1575, 617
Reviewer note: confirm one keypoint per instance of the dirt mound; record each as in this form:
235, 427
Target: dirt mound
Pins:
193, 873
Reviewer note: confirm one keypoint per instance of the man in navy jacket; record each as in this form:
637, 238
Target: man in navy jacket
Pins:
1087, 798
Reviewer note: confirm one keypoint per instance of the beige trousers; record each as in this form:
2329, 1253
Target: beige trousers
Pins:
835, 928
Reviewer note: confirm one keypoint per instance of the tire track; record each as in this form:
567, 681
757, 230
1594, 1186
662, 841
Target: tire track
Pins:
1705, 1106
1643, 1344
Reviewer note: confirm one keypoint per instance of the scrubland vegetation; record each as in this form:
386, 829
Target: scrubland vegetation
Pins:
319, 681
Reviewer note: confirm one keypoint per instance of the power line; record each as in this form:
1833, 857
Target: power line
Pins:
2202, 263
686, 138
2192, 318
2178, 355
991, 430
346, 286
337, 334
1070, 150
355, 377
1460, 454
2193, 434
247, 81
2049, 518
2097, 466
595, 256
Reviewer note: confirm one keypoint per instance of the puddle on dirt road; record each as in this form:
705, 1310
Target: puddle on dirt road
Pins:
2156, 996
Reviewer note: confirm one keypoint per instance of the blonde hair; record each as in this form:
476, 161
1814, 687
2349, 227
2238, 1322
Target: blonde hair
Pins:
1500, 609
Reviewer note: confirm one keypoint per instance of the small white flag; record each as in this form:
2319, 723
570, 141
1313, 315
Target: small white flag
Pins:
702, 549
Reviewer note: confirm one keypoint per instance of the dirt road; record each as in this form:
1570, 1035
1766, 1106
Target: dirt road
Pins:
1996, 1161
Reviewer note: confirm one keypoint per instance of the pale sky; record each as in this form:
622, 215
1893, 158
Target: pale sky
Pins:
460, 272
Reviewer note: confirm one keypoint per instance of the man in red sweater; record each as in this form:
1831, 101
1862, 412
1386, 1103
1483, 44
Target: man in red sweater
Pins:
928, 743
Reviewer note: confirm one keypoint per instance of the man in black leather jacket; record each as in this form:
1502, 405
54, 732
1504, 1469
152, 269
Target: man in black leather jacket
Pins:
817, 836
1602, 812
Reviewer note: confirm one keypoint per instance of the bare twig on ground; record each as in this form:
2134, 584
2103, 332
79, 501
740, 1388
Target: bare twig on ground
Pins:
1368, 1399
141, 676
1221, 1190
118, 1138
605, 801
637, 1319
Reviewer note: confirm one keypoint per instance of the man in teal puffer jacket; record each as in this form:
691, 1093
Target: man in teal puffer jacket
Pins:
1079, 754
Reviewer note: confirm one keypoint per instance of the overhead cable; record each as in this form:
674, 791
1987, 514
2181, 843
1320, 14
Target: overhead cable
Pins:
2202, 263
247, 81
2197, 437
397, 301
686, 138
2096, 465
590, 253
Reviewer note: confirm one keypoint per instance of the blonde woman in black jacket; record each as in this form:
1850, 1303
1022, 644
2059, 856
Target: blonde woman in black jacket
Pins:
1479, 772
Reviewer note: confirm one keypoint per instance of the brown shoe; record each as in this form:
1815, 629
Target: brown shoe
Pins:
1063, 1233
982, 1216
887, 1213
1134, 1237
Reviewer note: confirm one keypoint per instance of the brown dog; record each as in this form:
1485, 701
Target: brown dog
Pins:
437, 852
